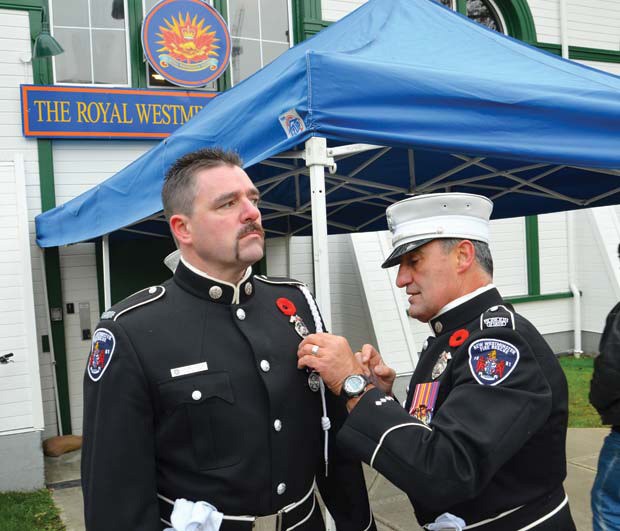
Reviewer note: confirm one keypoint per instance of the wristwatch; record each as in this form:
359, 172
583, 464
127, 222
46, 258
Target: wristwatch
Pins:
354, 385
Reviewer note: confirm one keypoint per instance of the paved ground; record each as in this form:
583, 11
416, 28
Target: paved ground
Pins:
390, 506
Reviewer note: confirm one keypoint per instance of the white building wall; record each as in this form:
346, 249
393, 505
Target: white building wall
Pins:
599, 288
336, 9
78, 166
16, 69
553, 253
509, 257
546, 14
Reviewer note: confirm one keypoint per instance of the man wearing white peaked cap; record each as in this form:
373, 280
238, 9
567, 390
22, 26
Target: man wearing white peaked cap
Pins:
480, 442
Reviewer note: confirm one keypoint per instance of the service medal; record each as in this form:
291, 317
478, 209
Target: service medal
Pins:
300, 326
314, 381
441, 364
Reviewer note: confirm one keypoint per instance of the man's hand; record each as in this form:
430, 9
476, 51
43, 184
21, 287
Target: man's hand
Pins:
331, 356
378, 372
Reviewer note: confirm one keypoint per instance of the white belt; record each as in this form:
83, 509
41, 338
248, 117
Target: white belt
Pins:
504, 514
271, 521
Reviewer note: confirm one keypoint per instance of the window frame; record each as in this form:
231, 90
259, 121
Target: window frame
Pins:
90, 28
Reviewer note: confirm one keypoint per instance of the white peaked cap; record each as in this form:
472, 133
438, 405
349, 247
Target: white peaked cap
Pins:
421, 219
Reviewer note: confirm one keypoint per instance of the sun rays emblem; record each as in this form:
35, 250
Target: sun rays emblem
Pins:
189, 42
186, 41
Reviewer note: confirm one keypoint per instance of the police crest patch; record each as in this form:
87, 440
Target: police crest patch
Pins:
492, 360
100, 353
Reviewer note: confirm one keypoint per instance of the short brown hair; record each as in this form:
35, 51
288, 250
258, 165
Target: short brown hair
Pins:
179, 191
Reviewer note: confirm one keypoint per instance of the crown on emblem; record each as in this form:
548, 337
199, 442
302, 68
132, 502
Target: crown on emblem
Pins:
188, 32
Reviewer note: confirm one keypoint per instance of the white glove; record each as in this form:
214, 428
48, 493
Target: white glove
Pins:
194, 516
447, 522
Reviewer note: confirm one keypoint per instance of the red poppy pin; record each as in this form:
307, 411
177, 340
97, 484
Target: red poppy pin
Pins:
458, 338
288, 308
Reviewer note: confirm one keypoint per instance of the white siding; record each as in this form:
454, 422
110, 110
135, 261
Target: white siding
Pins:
15, 71
20, 387
509, 256
546, 14
612, 68
594, 23
595, 230
336, 9
553, 253
78, 166
548, 317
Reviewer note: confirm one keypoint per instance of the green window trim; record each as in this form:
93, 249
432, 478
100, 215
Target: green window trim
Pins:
536, 298
533, 255
582, 53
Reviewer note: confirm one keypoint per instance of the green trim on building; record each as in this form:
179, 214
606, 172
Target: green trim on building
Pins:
54, 297
535, 298
582, 53
307, 19
136, 55
533, 257
519, 19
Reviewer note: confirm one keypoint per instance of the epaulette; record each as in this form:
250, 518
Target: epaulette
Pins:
497, 317
279, 280
140, 298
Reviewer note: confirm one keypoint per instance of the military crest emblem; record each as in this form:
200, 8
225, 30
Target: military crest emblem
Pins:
101, 351
492, 360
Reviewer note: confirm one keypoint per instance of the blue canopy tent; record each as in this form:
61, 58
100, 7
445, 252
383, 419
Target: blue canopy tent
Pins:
444, 103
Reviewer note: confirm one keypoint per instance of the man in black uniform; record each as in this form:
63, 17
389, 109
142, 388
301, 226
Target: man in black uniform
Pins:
489, 452
194, 408
605, 397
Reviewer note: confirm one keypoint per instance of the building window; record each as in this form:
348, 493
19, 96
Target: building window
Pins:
94, 36
260, 32
484, 12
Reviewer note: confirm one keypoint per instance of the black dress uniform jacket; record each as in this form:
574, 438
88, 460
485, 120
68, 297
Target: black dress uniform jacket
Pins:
489, 447
605, 385
242, 431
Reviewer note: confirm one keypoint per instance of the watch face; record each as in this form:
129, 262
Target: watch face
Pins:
354, 385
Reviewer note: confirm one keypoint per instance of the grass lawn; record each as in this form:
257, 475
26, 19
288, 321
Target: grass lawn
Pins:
29, 511
579, 373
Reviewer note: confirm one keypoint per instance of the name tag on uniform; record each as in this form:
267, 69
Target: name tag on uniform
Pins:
189, 369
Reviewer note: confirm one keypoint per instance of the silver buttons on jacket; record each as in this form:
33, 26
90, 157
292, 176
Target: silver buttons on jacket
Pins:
152, 289
281, 488
277, 424
438, 327
196, 395
240, 314
248, 288
215, 292
264, 365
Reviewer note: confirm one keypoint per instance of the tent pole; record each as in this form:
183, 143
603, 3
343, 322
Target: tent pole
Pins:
317, 160
105, 252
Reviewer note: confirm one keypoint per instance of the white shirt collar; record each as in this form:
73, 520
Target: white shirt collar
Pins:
461, 300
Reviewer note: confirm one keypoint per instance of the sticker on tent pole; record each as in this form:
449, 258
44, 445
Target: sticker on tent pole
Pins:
292, 123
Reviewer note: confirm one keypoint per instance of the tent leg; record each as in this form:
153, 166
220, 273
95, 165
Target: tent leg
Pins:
316, 160
107, 290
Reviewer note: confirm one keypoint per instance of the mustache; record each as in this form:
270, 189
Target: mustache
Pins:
251, 227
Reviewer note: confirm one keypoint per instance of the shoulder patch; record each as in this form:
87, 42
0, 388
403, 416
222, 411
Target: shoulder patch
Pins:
139, 298
101, 350
492, 360
497, 317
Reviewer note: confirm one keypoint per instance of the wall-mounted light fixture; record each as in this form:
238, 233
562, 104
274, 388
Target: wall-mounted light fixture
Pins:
45, 45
